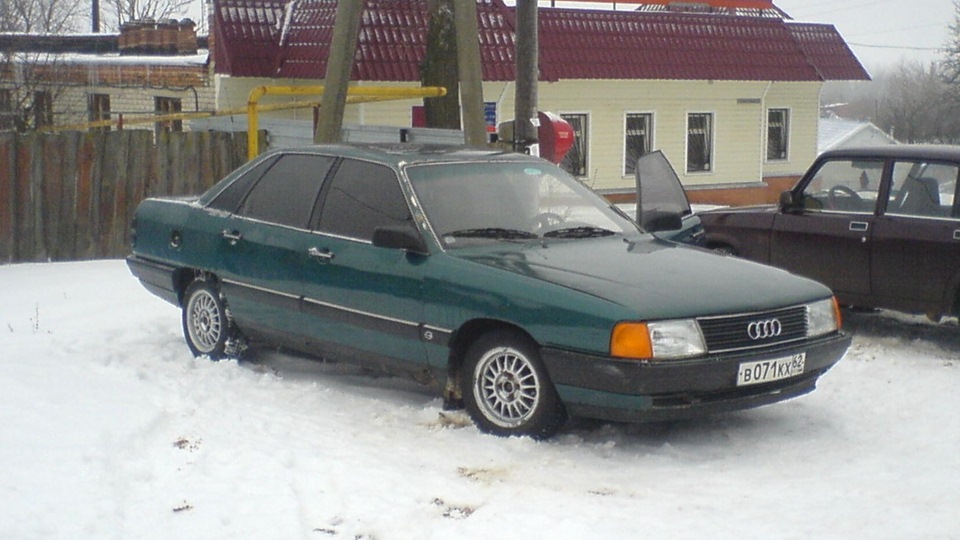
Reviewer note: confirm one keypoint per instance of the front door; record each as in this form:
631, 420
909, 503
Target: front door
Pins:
830, 239
359, 296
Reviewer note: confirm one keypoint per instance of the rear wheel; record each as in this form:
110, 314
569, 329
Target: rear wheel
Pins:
206, 326
510, 392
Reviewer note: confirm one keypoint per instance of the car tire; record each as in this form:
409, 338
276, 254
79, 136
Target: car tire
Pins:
206, 325
510, 393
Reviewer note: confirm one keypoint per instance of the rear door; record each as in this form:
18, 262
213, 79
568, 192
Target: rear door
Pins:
916, 250
265, 245
829, 239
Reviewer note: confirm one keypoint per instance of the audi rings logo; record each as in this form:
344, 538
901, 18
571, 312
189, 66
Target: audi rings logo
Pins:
767, 329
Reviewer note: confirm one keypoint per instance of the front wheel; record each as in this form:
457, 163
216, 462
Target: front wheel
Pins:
206, 326
510, 392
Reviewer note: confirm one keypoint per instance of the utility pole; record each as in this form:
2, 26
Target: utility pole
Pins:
471, 76
525, 108
343, 47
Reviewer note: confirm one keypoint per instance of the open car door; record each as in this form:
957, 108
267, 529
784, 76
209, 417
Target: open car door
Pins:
662, 204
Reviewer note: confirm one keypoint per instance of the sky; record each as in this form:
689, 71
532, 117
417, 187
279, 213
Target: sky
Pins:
882, 33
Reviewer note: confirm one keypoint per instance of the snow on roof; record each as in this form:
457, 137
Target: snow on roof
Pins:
833, 132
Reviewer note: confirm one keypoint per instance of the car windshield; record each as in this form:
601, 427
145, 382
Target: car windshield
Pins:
483, 202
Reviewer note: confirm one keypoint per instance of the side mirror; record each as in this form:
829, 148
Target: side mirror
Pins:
658, 220
399, 237
789, 202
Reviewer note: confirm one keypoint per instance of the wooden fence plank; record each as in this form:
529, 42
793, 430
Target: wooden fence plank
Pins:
8, 197
51, 192
67, 234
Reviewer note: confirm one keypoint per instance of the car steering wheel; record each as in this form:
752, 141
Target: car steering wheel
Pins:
835, 192
544, 220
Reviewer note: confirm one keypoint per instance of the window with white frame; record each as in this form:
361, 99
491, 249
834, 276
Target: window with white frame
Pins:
166, 106
778, 134
7, 114
637, 140
699, 142
42, 108
575, 162
98, 108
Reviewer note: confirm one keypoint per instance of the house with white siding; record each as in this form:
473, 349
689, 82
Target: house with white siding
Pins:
732, 100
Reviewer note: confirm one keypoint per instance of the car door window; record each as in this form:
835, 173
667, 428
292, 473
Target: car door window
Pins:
922, 189
232, 195
287, 192
362, 196
844, 185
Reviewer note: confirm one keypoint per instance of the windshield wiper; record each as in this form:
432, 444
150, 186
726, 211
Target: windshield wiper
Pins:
493, 232
585, 231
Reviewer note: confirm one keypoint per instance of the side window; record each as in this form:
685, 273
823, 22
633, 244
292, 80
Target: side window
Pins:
923, 189
362, 196
287, 192
575, 162
699, 142
845, 185
637, 140
230, 198
778, 134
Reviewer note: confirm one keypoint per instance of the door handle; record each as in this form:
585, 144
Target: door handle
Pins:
956, 234
233, 236
859, 226
323, 256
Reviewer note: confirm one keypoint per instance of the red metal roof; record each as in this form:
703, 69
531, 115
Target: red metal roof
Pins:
290, 39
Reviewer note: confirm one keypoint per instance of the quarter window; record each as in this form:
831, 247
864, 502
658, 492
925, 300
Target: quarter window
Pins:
778, 134
288, 190
699, 142
575, 162
637, 140
362, 197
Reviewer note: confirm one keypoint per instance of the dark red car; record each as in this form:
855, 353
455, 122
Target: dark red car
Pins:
880, 226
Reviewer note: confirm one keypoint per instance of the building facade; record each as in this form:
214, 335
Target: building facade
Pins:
732, 100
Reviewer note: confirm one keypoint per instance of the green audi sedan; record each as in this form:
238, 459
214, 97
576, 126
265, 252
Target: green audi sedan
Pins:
519, 293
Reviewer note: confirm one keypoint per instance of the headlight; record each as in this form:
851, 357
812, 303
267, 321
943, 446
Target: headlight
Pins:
823, 317
657, 340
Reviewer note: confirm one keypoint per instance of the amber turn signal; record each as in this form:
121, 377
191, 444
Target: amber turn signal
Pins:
631, 340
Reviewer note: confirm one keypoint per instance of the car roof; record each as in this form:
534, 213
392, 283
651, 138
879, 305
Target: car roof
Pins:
899, 151
402, 154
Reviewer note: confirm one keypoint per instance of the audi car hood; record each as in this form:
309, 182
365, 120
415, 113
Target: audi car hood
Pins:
656, 279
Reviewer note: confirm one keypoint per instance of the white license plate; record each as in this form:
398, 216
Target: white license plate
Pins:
770, 370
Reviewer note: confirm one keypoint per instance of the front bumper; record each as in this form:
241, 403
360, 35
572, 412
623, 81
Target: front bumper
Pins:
627, 390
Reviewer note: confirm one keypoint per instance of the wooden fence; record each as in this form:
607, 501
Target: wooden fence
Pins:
71, 196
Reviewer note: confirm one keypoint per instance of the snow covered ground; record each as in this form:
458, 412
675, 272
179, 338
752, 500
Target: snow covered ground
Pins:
109, 429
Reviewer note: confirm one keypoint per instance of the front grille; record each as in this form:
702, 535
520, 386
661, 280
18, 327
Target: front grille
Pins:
732, 332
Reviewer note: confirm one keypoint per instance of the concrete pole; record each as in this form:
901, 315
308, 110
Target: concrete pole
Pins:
343, 46
471, 75
528, 67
